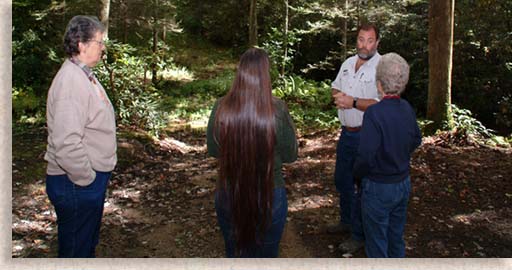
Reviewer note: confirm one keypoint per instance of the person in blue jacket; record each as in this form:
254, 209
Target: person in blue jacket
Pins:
389, 136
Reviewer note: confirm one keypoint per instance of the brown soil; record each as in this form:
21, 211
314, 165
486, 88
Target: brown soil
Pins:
160, 200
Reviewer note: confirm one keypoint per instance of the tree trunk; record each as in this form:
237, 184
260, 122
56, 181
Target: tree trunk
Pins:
283, 68
253, 24
104, 14
358, 10
154, 49
124, 8
155, 45
345, 32
440, 46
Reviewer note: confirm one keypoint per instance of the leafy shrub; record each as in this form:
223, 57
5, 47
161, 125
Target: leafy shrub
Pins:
136, 101
275, 47
194, 100
504, 114
310, 102
466, 125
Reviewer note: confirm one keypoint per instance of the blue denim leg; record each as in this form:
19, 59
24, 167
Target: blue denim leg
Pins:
357, 219
79, 211
350, 209
224, 221
384, 211
272, 237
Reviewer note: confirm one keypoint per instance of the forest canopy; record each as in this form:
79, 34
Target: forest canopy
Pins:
307, 41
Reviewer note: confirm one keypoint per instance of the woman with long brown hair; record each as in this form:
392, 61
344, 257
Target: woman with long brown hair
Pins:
252, 134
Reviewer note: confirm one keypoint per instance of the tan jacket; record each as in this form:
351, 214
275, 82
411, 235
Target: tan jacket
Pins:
81, 127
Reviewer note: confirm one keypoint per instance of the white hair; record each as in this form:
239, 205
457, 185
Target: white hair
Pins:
392, 73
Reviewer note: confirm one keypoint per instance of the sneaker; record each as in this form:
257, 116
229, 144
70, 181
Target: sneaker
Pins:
351, 245
338, 228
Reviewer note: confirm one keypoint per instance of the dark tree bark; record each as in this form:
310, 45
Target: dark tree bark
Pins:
440, 45
124, 9
253, 24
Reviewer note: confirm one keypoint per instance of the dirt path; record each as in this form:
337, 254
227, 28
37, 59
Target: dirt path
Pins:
160, 201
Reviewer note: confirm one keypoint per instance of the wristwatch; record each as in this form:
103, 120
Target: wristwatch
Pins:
354, 105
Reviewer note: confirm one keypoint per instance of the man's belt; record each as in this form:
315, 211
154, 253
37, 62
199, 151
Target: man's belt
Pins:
352, 129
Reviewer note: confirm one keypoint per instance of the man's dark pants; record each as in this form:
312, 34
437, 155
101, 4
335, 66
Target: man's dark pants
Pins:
350, 198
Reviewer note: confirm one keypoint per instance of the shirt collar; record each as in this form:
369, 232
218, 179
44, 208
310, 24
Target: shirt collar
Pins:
87, 70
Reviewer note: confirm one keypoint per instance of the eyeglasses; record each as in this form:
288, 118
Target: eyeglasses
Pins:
101, 43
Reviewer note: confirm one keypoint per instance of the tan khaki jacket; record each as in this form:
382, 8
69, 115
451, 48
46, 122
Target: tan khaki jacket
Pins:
81, 127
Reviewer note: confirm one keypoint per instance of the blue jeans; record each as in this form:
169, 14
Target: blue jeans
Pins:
79, 211
384, 209
271, 238
350, 197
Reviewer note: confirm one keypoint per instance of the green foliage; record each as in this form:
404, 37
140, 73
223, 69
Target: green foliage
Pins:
194, 100
221, 22
137, 102
465, 124
310, 102
482, 51
38, 28
159, 60
482, 60
423, 124
504, 113
277, 43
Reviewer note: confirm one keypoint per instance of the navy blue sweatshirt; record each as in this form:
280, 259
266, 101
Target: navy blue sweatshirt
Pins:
389, 135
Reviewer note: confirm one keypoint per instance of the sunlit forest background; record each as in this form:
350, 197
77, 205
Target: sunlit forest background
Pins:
166, 63
162, 56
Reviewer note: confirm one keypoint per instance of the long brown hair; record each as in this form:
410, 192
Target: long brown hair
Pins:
246, 135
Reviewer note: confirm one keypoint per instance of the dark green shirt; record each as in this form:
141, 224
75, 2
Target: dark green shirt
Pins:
286, 140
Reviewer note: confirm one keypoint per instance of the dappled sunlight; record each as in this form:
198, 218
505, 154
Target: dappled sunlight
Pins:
498, 222
199, 124
179, 74
127, 194
310, 202
123, 215
307, 185
170, 144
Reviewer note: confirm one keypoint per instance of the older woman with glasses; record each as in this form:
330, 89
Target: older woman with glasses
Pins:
390, 135
81, 151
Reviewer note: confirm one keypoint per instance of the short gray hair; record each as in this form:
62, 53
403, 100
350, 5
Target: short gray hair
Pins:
80, 29
392, 73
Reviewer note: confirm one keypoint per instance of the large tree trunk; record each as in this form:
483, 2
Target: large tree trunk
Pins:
253, 24
440, 46
104, 14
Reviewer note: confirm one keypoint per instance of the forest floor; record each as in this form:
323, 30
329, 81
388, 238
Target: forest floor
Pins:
160, 200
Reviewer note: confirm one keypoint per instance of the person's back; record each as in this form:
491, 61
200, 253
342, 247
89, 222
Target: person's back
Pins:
394, 122
389, 135
251, 133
